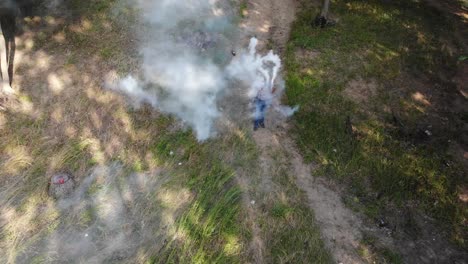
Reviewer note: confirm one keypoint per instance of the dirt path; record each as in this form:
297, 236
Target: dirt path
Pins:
339, 225
270, 21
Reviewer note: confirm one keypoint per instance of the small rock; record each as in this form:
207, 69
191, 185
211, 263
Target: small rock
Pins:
61, 185
171, 153
252, 202
180, 163
334, 150
382, 223
86, 235
428, 132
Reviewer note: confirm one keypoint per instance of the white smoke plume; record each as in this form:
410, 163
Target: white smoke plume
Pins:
187, 64
261, 72
184, 47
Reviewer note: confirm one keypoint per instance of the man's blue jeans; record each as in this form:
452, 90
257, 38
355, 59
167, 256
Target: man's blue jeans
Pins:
259, 115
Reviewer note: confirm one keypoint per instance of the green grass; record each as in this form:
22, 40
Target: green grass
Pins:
373, 254
243, 8
210, 224
288, 227
214, 224
280, 210
378, 41
106, 53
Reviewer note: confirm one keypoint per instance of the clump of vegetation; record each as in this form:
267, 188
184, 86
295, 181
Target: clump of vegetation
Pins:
372, 254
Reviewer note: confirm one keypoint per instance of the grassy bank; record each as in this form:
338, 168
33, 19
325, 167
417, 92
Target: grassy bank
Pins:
362, 86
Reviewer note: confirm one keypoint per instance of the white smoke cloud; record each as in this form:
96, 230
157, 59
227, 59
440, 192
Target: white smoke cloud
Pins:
190, 87
186, 62
130, 87
182, 56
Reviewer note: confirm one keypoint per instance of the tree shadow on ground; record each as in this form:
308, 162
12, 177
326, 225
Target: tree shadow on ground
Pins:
62, 119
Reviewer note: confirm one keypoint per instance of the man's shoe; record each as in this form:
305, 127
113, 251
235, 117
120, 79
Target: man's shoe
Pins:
262, 124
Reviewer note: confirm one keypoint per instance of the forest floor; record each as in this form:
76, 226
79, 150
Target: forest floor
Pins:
353, 177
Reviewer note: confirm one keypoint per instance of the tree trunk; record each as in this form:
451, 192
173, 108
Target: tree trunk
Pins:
8, 26
9, 10
325, 8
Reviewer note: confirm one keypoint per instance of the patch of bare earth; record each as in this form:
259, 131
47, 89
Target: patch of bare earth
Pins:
309, 55
360, 90
270, 21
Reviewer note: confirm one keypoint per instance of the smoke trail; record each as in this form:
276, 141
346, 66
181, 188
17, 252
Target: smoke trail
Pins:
260, 72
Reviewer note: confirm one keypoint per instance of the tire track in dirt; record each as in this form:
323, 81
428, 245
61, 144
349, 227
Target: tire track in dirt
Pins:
270, 21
